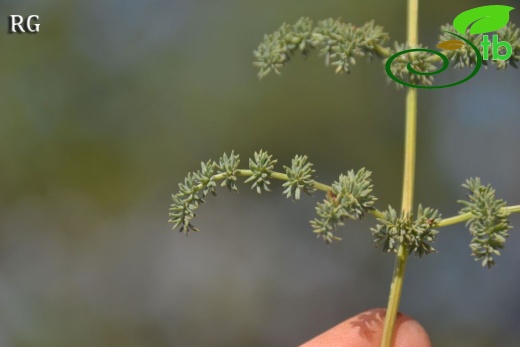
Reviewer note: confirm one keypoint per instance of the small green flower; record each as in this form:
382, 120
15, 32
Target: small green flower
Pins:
300, 175
228, 167
262, 166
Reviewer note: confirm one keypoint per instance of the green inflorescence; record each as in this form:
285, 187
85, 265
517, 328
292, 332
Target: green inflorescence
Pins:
342, 43
197, 185
488, 223
416, 234
338, 41
300, 178
350, 198
227, 167
262, 167
191, 194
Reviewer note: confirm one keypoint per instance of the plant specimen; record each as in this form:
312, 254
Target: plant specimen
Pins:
402, 231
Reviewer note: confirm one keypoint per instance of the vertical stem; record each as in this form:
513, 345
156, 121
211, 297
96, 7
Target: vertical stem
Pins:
413, 20
409, 150
408, 184
395, 296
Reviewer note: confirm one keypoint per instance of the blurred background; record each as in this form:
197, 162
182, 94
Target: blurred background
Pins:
107, 108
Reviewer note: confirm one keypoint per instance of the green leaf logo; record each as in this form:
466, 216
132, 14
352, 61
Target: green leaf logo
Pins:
484, 19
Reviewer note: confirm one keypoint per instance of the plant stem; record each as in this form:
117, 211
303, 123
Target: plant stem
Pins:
395, 296
408, 184
409, 151
465, 216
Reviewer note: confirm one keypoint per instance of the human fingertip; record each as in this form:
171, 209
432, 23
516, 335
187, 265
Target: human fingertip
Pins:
366, 330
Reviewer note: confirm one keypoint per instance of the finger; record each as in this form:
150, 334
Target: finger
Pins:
366, 330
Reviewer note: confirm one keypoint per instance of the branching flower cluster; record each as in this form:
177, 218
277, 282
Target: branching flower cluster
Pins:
341, 43
197, 185
350, 198
415, 234
488, 223
191, 194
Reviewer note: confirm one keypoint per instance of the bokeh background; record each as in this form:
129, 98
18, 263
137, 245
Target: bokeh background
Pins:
106, 109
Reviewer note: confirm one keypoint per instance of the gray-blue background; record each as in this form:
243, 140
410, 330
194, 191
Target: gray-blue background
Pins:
104, 111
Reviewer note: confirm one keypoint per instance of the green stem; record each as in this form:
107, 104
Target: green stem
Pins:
395, 296
408, 184
382, 52
277, 176
466, 216
409, 151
